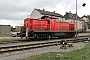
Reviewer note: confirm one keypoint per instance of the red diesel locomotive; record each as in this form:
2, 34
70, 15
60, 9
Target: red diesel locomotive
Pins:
47, 28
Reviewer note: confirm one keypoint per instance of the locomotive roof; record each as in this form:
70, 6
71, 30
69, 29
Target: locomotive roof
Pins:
49, 13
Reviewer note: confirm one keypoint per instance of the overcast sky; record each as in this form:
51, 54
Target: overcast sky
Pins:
13, 12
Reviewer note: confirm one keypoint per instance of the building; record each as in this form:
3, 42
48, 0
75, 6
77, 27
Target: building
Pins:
85, 18
80, 23
5, 29
39, 14
70, 15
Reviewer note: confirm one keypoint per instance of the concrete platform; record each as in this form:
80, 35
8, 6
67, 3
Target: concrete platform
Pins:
10, 39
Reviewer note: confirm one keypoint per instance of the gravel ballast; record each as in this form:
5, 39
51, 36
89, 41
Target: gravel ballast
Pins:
44, 50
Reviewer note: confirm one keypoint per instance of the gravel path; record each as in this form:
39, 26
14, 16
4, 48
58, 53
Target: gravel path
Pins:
45, 50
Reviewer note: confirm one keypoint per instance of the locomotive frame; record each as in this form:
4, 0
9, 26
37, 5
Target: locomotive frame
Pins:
47, 34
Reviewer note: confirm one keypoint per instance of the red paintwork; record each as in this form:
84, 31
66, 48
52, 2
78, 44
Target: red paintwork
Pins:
37, 24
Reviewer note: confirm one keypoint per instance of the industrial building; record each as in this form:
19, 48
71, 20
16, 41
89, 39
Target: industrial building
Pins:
5, 29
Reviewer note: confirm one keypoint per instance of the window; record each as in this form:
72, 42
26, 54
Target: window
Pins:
55, 20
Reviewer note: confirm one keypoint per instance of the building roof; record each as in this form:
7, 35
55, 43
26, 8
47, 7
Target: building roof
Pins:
84, 16
70, 15
4, 25
49, 13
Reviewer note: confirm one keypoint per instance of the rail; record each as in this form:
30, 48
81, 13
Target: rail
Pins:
7, 49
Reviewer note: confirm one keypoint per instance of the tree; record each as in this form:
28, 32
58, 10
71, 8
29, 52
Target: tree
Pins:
13, 29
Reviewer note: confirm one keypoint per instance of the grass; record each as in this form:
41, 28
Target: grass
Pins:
7, 35
81, 54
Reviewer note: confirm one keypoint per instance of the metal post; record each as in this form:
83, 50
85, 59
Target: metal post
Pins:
27, 28
76, 19
0, 29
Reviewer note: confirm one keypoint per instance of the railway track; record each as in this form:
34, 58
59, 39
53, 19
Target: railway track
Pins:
9, 50
24, 40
